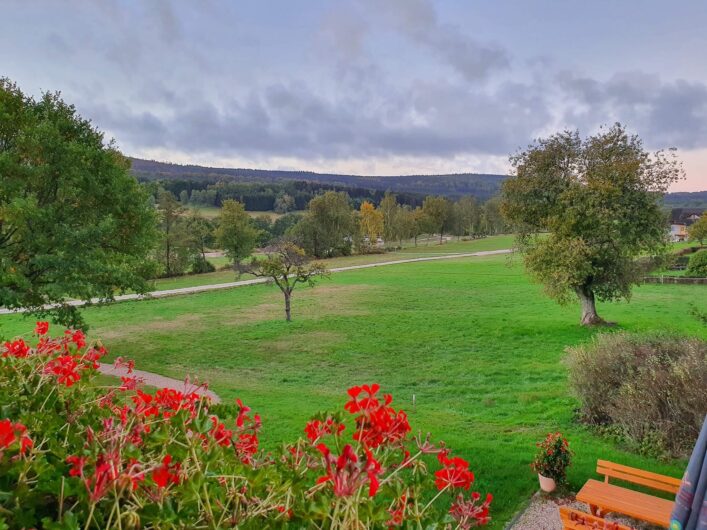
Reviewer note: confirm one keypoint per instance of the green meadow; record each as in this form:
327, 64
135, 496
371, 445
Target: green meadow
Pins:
424, 248
478, 345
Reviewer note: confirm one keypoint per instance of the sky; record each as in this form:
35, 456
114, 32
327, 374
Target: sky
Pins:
370, 87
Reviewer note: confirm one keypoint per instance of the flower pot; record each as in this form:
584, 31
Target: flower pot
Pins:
547, 484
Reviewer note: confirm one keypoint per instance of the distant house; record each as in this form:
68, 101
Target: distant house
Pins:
680, 220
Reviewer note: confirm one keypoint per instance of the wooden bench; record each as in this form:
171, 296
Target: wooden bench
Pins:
603, 497
576, 520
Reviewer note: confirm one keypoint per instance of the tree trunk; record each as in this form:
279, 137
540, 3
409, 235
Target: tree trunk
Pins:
589, 310
288, 315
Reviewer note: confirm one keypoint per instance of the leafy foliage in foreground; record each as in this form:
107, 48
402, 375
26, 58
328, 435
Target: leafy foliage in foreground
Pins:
650, 387
73, 455
74, 223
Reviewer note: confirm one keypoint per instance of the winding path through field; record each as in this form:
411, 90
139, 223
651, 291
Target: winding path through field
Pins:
159, 381
242, 283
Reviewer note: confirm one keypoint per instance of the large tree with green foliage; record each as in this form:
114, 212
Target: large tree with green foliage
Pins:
236, 234
467, 216
176, 250
74, 223
492, 220
390, 209
200, 232
439, 214
598, 200
328, 226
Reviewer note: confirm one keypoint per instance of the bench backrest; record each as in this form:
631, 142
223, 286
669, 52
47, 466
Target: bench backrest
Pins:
637, 476
576, 520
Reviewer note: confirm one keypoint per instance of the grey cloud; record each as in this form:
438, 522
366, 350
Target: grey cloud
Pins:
167, 20
57, 45
343, 32
192, 82
427, 119
118, 119
665, 114
418, 20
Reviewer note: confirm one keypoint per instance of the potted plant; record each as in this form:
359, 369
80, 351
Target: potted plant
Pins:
551, 461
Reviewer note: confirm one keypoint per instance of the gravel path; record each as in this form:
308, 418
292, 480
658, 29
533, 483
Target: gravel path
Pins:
156, 380
543, 513
242, 283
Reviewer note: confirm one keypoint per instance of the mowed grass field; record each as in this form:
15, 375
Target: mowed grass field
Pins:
424, 248
478, 345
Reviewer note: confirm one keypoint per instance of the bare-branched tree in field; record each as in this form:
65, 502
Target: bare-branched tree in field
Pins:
285, 264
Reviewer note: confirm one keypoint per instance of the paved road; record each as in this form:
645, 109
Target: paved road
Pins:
242, 283
156, 380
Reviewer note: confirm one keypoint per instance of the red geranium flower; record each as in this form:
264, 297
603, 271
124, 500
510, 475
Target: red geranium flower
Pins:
377, 422
373, 469
11, 432
77, 337
315, 429
17, 348
167, 473
65, 368
144, 405
347, 473
42, 328
220, 434
397, 514
129, 383
246, 447
242, 413
454, 474
77, 464
468, 513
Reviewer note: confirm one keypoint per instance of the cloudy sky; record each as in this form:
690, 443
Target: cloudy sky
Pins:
366, 86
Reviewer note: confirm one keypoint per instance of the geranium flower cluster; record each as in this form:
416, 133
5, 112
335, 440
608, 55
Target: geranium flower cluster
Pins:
378, 455
553, 457
65, 358
134, 458
14, 434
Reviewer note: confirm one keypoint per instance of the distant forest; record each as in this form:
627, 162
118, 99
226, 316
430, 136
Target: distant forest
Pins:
686, 199
258, 189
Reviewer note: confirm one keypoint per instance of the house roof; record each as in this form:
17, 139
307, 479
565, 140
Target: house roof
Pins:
681, 216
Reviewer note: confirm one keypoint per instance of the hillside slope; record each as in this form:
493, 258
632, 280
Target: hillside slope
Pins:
481, 185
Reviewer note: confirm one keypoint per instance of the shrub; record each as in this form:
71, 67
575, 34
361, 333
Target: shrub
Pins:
697, 267
553, 457
77, 455
201, 265
650, 387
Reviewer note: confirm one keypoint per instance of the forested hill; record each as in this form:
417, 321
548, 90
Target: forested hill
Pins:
686, 199
481, 185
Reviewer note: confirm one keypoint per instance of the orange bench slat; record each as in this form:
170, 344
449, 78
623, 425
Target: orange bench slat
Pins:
611, 498
638, 476
576, 520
